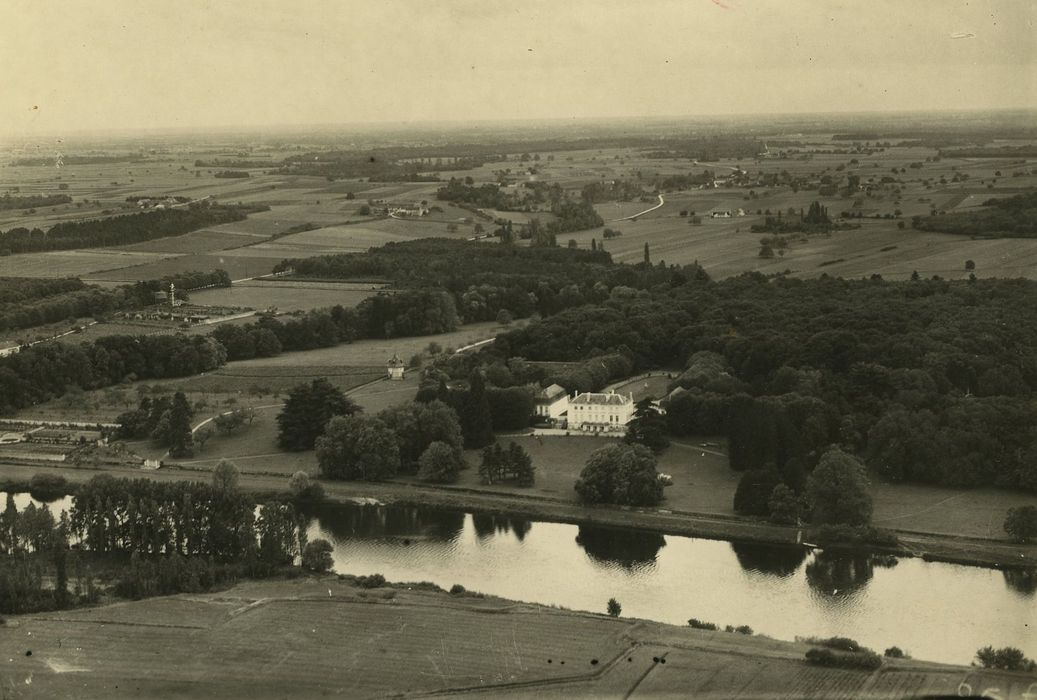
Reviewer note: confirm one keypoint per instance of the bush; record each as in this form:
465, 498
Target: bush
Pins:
614, 608
48, 487
700, 625
1020, 523
372, 581
741, 629
853, 536
895, 653
861, 660
837, 643
305, 489
1005, 659
457, 589
317, 556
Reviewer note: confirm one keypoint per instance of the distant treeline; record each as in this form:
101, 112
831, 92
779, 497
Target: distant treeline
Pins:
80, 160
217, 163
232, 174
1011, 217
121, 230
570, 214
27, 303
1027, 151
32, 200
708, 148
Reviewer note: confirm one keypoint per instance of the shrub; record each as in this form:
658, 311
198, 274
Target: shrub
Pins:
317, 556
457, 589
1005, 659
700, 625
305, 489
372, 581
895, 653
838, 643
1020, 523
614, 608
854, 535
861, 660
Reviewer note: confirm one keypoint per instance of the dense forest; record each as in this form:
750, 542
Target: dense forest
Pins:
120, 230
483, 279
45, 371
930, 381
1012, 217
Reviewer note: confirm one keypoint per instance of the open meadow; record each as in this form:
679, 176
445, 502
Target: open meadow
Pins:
317, 636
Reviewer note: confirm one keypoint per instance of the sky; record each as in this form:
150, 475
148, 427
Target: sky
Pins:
72, 65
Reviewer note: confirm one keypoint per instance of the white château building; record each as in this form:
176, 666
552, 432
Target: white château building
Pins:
600, 413
550, 404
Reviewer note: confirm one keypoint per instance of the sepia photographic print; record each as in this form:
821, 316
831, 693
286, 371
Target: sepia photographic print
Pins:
543, 349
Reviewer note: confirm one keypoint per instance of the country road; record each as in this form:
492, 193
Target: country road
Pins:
641, 213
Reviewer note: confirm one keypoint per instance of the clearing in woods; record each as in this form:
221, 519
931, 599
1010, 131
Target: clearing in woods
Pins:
311, 636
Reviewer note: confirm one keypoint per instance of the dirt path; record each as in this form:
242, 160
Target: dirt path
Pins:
642, 213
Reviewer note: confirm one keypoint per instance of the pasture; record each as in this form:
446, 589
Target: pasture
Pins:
324, 636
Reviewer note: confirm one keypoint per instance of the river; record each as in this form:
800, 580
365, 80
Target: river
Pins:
932, 610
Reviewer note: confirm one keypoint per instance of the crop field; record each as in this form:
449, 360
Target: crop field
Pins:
241, 265
375, 353
323, 636
204, 241
74, 263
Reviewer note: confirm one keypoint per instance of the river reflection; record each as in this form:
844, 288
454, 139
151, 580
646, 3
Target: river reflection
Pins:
630, 549
396, 523
1021, 580
936, 611
769, 559
490, 525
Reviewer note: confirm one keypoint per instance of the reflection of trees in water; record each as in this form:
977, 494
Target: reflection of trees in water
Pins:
1021, 579
375, 522
487, 525
628, 548
769, 558
839, 573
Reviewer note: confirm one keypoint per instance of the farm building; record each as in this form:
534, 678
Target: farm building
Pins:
551, 403
600, 413
395, 367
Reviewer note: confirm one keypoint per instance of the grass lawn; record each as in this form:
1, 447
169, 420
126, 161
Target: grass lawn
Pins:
322, 636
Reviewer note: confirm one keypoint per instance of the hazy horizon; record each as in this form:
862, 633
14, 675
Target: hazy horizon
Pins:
266, 65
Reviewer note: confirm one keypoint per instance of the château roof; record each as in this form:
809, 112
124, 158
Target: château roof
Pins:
551, 393
610, 399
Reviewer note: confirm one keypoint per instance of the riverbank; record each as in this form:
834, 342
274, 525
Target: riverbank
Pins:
930, 546
325, 635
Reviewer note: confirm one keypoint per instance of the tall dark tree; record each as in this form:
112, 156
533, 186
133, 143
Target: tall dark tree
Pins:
307, 411
647, 427
358, 448
473, 411
181, 444
620, 474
